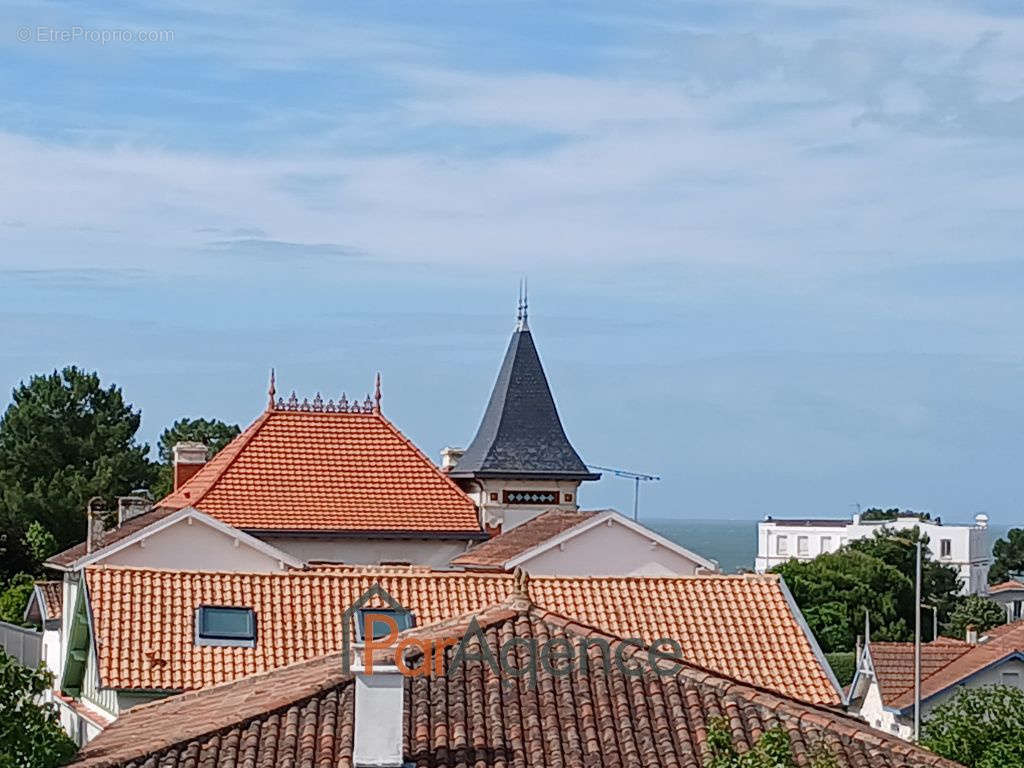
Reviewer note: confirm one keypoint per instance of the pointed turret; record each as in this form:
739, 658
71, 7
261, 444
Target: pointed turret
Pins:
520, 443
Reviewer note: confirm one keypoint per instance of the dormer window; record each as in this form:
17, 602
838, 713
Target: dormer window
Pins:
225, 625
381, 627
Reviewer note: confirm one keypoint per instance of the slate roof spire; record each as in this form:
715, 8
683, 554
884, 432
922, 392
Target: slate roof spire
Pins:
521, 434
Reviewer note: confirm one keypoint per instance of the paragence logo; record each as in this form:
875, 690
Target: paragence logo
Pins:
515, 658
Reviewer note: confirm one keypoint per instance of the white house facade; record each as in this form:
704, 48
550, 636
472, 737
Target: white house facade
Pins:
962, 547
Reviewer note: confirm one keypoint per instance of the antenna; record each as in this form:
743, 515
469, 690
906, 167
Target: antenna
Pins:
636, 477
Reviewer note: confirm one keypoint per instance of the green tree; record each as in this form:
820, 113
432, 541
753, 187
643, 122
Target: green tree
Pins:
772, 750
979, 727
30, 733
874, 514
833, 590
14, 598
974, 610
1008, 556
212, 433
940, 584
63, 439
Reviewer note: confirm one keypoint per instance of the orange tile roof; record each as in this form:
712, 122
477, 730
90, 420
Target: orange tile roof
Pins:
326, 471
741, 626
494, 553
1007, 586
943, 663
53, 597
596, 716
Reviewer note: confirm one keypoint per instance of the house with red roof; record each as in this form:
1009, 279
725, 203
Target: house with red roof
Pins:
1010, 595
882, 692
609, 701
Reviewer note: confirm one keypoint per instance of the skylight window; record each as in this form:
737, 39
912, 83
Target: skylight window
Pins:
225, 625
381, 627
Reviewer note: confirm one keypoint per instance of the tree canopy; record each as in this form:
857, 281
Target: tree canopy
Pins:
979, 727
1008, 557
976, 611
212, 433
874, 574
834, 589
873, 514
30, 733
64, 439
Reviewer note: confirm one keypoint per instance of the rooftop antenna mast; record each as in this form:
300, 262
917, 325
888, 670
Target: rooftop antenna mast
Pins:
636, 477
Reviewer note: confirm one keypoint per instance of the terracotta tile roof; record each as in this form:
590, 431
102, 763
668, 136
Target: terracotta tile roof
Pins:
52, 593
494, 553
318, 471
944, 663
144, 620
593, 717
894, 663
1000, 644
1007, 586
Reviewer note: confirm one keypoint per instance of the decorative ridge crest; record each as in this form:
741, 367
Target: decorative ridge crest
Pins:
318, 405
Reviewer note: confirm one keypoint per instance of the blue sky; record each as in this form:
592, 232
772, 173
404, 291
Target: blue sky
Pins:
773, 246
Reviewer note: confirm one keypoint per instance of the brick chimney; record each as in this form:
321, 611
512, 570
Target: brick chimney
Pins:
189, 458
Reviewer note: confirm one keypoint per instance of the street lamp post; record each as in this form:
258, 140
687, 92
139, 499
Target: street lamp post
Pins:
917, 648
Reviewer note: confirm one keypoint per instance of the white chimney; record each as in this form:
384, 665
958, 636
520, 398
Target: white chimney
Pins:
379, 718
450, 457
981, 520
972, 634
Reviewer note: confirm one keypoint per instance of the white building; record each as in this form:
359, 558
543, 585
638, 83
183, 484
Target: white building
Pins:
964, 547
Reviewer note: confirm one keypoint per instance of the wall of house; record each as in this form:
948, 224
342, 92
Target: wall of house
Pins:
873, 712
610, 550
1012, 601
819, 540
103, 698
496, 512
194, 546
436, 553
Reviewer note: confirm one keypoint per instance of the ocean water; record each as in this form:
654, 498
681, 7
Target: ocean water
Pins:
733, 543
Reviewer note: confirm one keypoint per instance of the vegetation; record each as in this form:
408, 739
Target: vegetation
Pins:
772, 750
14, 599
30, 733
974, 610
875, 514
1008, 557
979, 727
212, 433
64, 439
875, 575
844, 665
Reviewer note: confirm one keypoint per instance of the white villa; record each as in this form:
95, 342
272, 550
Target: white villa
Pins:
964, 547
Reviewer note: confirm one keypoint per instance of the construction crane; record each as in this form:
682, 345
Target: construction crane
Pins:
636, 477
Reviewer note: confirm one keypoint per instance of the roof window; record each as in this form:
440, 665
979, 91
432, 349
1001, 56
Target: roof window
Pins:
380, 624
225, 625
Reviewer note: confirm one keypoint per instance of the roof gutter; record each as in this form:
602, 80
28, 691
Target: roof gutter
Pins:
477, 535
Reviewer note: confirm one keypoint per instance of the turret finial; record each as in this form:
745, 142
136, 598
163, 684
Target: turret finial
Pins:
376, 395
521, 321
271, 391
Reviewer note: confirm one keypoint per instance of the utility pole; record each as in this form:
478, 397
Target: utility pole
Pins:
917, 649
636, 477
935, 619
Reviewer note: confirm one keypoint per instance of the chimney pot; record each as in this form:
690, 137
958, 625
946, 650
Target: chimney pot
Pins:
380, 715
189, 458
450, 457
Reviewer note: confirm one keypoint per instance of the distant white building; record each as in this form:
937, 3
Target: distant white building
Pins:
964, 547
